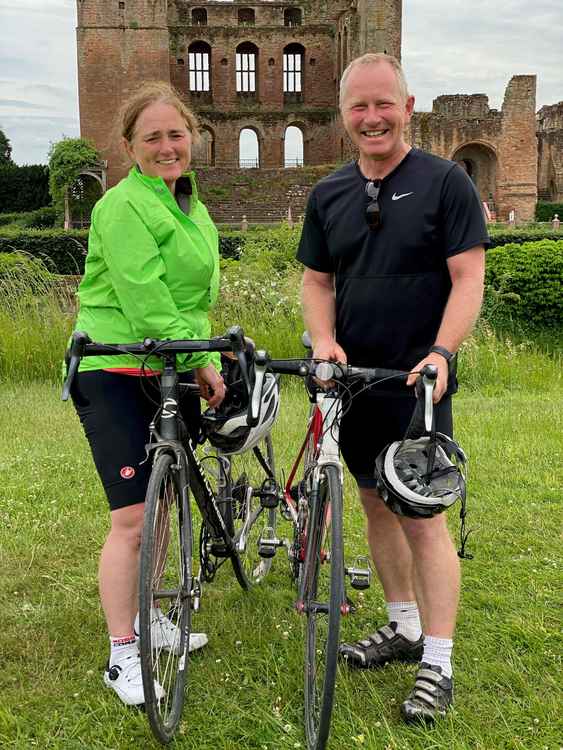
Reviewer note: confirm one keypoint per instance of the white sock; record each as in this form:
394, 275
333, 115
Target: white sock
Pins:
438, 652
120, 647
405, 614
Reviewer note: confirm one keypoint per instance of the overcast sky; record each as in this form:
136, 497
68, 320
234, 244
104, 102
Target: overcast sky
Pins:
449, 47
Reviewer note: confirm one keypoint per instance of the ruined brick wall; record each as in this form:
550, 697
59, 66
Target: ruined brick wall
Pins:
550, 152
117, 48
498, 148
260, 195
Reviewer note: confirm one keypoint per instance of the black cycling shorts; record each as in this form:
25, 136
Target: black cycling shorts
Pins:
115, 410
372, 421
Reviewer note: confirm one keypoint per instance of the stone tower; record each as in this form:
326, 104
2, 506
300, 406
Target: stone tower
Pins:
120, 44
380, 23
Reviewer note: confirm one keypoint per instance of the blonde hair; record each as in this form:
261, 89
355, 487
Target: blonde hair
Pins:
153, 92
375, 58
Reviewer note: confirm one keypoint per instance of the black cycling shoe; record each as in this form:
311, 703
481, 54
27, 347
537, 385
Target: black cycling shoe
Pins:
431, 697
379, 649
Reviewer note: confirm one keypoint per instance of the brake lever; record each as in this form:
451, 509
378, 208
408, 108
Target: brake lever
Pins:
73, 355
429, 376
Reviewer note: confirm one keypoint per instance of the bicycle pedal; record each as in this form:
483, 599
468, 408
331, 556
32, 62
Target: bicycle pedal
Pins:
360, 574
269, 497
268, 543
218, 548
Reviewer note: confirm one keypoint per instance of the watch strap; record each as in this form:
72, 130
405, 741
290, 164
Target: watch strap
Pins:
448, 356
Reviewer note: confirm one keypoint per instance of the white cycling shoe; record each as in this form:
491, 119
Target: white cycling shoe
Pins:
124, 676
165, 635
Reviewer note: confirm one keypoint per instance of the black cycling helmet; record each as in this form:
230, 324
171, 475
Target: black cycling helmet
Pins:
423, 477
227, 427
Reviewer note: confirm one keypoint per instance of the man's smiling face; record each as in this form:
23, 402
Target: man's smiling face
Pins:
375, 112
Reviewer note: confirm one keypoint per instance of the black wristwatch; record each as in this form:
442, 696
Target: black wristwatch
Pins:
448, 356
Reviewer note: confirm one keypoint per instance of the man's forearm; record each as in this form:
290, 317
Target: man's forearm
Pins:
460, 314
319, 310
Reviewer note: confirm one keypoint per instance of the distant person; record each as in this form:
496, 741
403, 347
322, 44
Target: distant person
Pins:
152, 270
393, 245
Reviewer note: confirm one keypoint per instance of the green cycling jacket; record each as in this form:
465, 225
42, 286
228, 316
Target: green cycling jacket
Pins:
151, 270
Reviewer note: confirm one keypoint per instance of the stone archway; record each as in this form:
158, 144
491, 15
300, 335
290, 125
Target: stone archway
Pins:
480, 162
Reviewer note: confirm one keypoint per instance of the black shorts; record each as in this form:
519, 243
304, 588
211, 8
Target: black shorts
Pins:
115, 411
374, 420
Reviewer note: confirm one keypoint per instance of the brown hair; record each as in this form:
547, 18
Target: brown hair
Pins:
375, 58
153, 92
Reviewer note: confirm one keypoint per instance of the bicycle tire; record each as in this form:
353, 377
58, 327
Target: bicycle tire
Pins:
165, 577
323, 592
246, 473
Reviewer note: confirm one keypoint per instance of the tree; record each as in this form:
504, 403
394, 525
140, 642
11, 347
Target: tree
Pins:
5, 150
67, 159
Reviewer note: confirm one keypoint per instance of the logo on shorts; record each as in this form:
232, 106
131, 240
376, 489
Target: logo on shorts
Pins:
127, 472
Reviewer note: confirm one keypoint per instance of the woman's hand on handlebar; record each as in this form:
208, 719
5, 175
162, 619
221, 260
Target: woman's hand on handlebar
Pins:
211, 385
441, 383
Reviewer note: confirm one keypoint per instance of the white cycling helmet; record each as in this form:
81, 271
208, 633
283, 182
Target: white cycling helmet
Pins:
227, 427
421, 478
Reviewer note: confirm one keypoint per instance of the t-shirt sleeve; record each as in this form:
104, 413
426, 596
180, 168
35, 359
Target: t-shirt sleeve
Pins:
313, 250
463, 217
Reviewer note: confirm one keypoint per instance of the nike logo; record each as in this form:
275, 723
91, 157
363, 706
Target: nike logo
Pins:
396, 197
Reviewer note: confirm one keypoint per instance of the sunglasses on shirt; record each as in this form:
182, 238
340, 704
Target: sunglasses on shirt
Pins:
373, 211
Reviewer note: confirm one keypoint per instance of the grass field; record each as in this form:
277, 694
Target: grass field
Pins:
245, 690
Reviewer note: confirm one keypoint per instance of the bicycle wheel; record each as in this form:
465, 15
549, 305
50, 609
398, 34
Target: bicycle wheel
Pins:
248, 476
323, 592
165, 597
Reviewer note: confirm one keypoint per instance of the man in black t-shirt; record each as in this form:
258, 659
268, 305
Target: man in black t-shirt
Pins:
393, 246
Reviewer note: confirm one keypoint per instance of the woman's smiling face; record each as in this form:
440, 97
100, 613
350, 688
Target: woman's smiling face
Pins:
161, 143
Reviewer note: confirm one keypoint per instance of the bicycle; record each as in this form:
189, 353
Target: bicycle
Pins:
231, 491
314, 507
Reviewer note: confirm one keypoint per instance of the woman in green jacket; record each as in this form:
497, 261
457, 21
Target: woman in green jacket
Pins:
152, 270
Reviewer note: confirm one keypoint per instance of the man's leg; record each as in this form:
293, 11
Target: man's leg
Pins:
400, 640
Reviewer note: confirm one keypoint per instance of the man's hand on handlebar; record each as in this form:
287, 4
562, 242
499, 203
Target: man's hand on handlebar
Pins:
329, 350
211, 385
441, 383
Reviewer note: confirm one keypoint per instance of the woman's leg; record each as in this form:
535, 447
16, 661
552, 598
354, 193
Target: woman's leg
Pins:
119, 569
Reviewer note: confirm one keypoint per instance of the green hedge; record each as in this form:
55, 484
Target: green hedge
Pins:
525, 283
41, 218
546, 211
65, 252
506, 235
24, 188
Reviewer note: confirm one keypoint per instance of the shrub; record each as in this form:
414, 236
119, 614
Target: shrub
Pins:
506, 235
546, 211
41, 218
24, 188
62, 252
525, 283
272, 248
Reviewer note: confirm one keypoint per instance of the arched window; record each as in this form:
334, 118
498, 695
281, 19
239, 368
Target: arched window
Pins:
246, 60
203, 153
345, 48
293, 56
249, 149
292, 17
199, 64
293, 147
199, 17
246, 17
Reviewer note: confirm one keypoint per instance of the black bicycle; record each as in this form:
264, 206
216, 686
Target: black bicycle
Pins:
233, 493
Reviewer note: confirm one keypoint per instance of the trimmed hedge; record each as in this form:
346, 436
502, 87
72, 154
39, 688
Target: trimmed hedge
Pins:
506, 236
546, 211
41, 218
64, 252
525, 282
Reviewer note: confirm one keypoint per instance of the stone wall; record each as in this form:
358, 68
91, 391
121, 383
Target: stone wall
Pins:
550, 152
498, 148
259, 195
